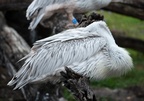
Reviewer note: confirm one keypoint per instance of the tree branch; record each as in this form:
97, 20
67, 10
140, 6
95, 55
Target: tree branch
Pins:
130, 9
78, 85
130, 43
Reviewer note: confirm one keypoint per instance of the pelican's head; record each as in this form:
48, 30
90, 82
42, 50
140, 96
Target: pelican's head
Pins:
93, 26
99, 27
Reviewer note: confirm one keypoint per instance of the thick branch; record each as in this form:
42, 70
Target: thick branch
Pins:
134, 3
78, 85
129, 10
131, 43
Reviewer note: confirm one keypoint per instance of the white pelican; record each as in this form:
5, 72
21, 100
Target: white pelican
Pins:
39, 10
90, 51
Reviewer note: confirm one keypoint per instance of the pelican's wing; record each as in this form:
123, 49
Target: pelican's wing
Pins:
37, 5
36, 11
63, 36
38, 8
55, 54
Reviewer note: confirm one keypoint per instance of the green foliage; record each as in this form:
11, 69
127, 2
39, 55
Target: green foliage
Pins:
131, 26
135, 77
68, 95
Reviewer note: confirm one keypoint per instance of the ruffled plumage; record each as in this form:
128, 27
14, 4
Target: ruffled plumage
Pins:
90, 51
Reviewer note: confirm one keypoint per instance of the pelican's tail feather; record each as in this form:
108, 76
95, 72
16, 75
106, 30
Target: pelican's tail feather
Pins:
35, 22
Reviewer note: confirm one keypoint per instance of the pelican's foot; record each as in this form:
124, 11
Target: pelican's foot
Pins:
71, 25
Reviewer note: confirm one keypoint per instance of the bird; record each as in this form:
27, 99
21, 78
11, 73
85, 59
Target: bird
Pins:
40, 10
90, 51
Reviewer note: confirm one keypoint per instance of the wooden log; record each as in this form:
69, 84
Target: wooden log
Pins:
129, 10
134, 3
131, 43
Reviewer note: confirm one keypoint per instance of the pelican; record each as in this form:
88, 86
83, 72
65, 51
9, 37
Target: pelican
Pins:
89, 51
39, 10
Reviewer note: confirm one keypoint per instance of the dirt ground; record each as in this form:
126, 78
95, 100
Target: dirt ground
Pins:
134, 93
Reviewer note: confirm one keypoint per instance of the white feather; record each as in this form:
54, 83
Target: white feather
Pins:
90, 51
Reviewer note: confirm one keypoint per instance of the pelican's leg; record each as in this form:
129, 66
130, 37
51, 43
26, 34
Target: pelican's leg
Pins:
72, 21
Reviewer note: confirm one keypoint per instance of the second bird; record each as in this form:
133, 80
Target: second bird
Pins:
39, 10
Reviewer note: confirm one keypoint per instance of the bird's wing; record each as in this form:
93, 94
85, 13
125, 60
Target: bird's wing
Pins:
35, 7
39, 8
55, 54
36, 11
65, 35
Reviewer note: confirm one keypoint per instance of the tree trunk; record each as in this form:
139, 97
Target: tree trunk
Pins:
13, 45
12, 49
